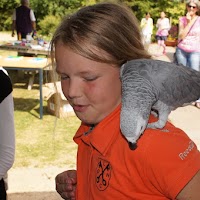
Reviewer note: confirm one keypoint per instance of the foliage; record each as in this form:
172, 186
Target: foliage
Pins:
173, 9
48, 25
60, 8
45, 142
175, 12
6, 10
57, 8
173, 33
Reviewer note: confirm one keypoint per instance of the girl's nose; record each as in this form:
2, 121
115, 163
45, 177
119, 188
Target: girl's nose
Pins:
74, 89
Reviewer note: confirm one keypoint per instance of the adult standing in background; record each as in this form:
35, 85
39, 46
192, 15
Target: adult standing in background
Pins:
147, 29
24, 21
7, 131
188, 49
163, 26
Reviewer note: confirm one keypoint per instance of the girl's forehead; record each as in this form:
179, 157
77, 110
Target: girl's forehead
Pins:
192, 4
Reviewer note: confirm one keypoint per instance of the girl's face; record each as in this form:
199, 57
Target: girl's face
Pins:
192, 8
148, 16
162, 15
93, 89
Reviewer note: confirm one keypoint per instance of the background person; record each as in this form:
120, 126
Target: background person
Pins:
24, 21
163, 26
147, 29
7, 132
188, 49
89, 50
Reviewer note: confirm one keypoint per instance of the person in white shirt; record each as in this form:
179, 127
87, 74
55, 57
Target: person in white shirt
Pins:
7, 131
163, 25
147, 29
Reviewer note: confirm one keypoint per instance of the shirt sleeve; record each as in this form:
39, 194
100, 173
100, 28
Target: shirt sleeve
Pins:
142, 23
32, 16
183, 20
7, 135
157, 23
172, 160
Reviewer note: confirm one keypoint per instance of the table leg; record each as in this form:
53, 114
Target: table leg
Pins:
41, 95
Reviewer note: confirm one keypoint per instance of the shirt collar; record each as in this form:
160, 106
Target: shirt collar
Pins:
103, 134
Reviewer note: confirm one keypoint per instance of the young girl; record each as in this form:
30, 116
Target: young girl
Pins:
147, 30
89, 48
163, 26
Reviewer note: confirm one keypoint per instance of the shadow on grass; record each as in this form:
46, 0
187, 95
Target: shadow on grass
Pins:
31, 106
34, 196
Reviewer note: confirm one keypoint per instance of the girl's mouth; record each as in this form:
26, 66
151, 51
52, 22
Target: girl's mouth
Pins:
79, 108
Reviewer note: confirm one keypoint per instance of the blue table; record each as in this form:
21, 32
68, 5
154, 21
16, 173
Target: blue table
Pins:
30, 64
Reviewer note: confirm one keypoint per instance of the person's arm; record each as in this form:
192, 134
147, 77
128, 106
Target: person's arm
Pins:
192, 190
33, 20
183, 30
7, 135
143, 22
13, 28
158, 23
34, 26
13, 23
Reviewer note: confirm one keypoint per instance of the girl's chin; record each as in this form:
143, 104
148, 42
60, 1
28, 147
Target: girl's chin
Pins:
88, 120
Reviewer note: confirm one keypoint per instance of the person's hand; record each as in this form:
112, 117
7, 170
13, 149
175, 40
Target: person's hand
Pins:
66, 184
34, 34
188, 16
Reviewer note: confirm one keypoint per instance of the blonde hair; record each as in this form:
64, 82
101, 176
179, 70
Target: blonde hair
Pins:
193, 1
107, 27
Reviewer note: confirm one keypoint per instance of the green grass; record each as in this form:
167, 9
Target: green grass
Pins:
40, 143
45, 142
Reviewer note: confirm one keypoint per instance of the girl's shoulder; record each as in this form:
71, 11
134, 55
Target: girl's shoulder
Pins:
183, 18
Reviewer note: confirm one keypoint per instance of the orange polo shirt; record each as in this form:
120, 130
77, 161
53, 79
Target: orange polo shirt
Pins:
163, 163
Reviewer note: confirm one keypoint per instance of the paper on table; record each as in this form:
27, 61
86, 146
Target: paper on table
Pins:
14, 58
36, 60
36, 47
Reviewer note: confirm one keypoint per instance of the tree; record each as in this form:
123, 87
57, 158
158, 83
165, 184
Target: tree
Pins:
6, 10
59, 8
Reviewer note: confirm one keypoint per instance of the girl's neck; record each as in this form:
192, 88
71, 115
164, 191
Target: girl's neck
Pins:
194, 16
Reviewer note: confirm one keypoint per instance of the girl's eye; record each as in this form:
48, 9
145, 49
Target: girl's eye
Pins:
90, 78
63, 77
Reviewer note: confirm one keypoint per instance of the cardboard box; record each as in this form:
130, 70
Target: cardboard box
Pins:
59, 107
51, 88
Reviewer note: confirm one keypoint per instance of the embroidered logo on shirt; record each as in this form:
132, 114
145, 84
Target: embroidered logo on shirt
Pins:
184, 154
103, 174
